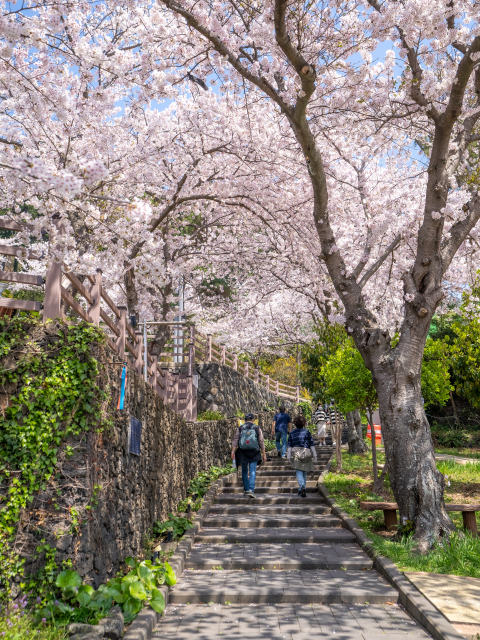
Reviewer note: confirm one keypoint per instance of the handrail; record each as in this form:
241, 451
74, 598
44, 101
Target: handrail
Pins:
214, 352
175, 388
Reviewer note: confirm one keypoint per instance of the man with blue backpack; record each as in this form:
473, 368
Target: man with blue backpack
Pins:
248, 449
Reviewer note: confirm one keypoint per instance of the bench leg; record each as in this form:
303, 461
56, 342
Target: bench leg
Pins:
470, 522
390, 518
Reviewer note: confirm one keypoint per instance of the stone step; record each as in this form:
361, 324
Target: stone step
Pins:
276, 535
264, 509
315, 586
288, 482
262, 522
318, 468
276, 488
335, 621
275, 473
291, 556
272, 498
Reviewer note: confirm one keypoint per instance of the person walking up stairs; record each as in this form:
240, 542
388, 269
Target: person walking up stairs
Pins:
280, 568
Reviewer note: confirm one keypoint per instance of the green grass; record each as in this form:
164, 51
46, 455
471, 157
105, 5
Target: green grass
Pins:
458, 556
16, 624
468, 472
461, 452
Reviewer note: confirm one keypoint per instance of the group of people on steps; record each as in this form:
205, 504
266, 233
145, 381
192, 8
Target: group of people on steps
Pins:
295, 444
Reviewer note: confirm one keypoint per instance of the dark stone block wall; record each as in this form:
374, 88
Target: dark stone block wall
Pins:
138, 490
221, 388
102, 502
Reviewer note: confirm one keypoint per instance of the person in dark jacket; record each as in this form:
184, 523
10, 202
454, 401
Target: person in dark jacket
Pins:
246, 456
301, 452
280, 429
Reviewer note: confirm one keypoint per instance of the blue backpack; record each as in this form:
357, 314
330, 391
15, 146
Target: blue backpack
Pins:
248, 437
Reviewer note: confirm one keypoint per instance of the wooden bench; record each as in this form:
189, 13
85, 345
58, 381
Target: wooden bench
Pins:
390, 513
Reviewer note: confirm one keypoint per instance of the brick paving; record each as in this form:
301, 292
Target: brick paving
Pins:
280, 567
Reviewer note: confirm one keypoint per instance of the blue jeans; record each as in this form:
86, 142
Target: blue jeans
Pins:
283, 436
301, 477
249, 484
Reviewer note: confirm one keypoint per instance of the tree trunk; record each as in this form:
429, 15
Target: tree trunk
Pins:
338, 438
454, 409
358, 426
377, 482
356, 444
417, 484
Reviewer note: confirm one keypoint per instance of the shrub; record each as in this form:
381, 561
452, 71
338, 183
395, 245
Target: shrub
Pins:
176, 524
207, 416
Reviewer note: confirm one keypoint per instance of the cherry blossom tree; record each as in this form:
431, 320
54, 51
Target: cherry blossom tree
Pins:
305, 61
222, 188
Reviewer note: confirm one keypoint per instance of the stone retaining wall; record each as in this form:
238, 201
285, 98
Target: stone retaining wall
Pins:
138, 490
221, 388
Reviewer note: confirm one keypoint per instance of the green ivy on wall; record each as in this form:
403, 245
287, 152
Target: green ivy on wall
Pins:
57, 397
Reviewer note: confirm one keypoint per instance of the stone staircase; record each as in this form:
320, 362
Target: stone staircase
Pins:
280, 566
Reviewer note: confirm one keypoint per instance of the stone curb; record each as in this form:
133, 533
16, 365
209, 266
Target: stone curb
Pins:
409, 596
146, 621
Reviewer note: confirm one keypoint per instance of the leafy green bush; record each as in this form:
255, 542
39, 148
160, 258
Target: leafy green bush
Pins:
306, 409
202, 482
269, 444
58, 397
207, 416
452, 438
176, 524
82, 603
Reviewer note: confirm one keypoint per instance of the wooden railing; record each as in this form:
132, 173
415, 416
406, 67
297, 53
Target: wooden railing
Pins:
207, 350
175, 387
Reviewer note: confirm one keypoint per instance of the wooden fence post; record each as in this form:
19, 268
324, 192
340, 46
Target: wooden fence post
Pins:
276, 387
267, 381
191, 351
53, 282
153, 373
256, 374
223, 354
139, 352
235, 361
246, 370
209, 347
297, 394
96, 292
122, 327
53, 292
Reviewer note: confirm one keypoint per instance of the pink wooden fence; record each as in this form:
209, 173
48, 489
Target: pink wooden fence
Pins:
175, 387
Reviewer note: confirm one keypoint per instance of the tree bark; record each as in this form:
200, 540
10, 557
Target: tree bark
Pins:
356, 444
417, 484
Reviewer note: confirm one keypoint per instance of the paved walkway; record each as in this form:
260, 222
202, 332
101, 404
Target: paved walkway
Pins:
280, 567
444, 456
